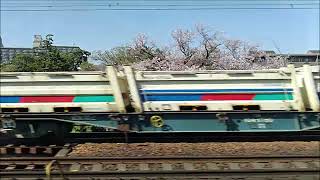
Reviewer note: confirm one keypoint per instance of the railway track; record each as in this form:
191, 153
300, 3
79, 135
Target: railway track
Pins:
253, 167
167, 137
11, 150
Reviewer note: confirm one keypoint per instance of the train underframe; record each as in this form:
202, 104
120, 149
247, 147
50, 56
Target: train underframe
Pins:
59, 124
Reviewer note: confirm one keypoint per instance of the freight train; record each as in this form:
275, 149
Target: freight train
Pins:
285, 99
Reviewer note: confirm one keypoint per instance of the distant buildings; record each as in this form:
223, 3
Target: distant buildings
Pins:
8, 53
310, 57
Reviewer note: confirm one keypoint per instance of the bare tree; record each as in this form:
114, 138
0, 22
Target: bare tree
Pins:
142, 48
209, 42
184, 40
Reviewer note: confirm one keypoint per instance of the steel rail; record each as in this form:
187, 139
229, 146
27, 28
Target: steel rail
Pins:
105, 158
165, 176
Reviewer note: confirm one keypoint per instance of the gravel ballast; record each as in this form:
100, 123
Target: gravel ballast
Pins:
196, 149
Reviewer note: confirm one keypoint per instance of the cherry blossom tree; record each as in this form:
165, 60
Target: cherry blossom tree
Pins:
198, 49
204, 49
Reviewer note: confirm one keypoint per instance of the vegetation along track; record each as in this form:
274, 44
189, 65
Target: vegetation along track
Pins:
271, 167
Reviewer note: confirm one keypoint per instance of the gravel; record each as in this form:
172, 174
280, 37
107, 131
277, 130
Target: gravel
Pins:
196, 149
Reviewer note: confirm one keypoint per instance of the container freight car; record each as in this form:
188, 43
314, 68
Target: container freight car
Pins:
287, 89
285, 99
63, 92
32, 102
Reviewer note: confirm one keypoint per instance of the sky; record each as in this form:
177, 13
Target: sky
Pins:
292, 30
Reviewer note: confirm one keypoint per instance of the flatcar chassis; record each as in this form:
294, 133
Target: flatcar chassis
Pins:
39, 124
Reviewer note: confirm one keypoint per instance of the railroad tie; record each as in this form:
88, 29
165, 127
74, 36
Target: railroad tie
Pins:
97, 167
300, 165
121, 167
316, 164
261, 165
188, 166
212, 166
33, 150
8, 149
234, 166
30, 167
279, 165
49, 149
62, 152
10, 167
75, 167
144, 167
166, 167
18, 150
3, 150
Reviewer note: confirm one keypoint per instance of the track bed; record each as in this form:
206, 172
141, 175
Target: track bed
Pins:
244, 160
158, 167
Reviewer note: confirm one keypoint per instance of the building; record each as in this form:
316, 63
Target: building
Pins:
304, 58
1, 45
8, 53
311, 57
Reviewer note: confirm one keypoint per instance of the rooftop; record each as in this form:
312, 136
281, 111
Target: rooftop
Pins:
309, 53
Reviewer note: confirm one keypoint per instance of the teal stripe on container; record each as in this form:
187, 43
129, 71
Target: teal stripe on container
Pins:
274, 96
102, 98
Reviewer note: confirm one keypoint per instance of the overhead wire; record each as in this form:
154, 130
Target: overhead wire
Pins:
163, 9
157, 1
121, 5
8, 1
163, 5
